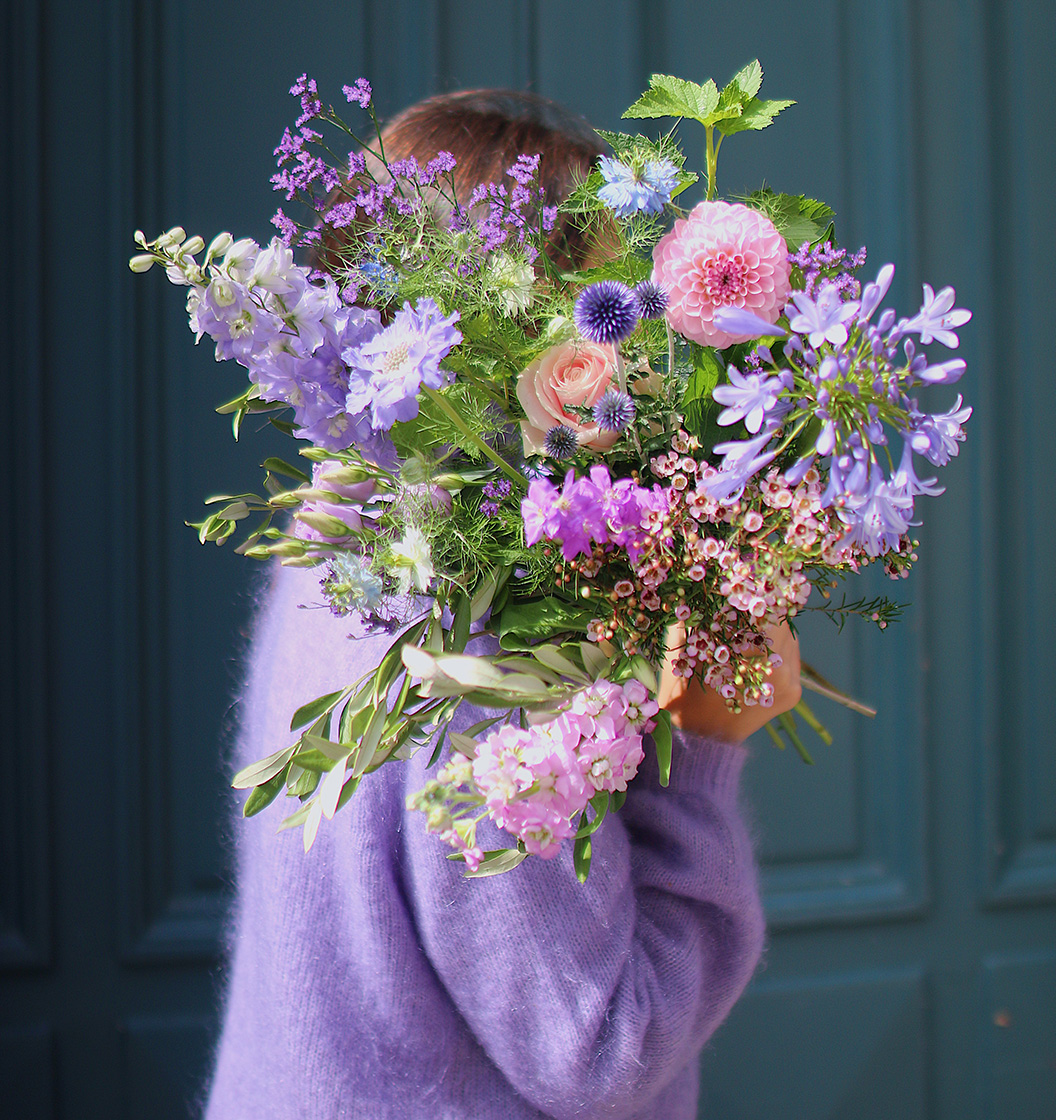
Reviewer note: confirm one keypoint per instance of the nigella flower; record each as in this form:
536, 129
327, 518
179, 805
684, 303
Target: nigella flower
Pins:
638, 187
412, 559
606, 311
652, 300
614, 411
387, 371
349, 585
561, 442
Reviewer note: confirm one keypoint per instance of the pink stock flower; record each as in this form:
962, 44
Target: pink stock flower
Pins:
722, 255
570, 375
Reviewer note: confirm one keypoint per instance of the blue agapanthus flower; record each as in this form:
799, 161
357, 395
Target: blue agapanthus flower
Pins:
639, 188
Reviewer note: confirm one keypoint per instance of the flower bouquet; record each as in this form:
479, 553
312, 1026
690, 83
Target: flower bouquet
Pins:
539, 477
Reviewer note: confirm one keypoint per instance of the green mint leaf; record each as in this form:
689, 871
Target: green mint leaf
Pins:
743, 86
798, 219
673, 97
755, 115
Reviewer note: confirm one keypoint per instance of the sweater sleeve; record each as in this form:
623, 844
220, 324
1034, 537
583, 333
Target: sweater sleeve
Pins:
591, 997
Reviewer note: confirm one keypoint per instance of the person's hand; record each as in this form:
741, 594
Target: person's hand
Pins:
703, 711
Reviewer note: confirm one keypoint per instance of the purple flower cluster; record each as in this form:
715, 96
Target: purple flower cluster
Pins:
347, 377
858, 378
509, 210
536, 781
587, 511
829, 262
495, 493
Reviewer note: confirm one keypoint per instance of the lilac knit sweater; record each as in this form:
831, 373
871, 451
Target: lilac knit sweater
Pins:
370, 980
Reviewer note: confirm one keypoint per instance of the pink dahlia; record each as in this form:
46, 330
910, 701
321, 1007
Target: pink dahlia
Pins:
723, 255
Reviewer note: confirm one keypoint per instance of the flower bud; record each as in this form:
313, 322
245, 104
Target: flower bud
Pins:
218, 246
194, 245
142, 262
176, 235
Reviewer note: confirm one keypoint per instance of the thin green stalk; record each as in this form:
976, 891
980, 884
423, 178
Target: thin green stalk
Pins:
445, 407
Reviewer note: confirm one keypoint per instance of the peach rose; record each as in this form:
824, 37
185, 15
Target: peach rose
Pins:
570, 375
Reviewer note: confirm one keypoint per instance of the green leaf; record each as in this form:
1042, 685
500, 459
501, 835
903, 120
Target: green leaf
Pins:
261, 797
662, 742
581, 856
755, 115
543, 618
280, 466
311, 711
600, 804
673, 97
460, 623
707, 370
744, 85
258, 773
494, 863
798, 219
301, 783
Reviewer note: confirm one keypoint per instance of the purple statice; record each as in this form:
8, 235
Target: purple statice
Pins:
613, 410
652, 299
305, 88
524, 169
561, 442
640, 187
606, 312
387, 371
359, 93
750, 397
937, 318
828, 262
287, 227
495, 492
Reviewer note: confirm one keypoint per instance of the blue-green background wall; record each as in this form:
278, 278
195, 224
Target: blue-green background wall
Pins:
910, 876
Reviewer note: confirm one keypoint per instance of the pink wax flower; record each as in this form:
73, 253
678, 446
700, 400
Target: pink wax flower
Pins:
723, 255
570, 375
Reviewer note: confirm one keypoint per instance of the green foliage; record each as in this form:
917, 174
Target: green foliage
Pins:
798, 219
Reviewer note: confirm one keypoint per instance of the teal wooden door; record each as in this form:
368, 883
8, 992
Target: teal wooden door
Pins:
910, 876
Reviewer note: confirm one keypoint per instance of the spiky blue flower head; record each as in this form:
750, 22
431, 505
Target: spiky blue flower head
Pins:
606, 311
613, 410
652, 299
561, 442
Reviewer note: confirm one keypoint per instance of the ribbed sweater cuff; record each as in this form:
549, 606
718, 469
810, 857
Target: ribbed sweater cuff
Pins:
700, 765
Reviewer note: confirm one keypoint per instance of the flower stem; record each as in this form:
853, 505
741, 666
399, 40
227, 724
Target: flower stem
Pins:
445, 406
712, 157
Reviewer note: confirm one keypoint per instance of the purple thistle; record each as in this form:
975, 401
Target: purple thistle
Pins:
652, 300
606, 311
613, 411
561, 442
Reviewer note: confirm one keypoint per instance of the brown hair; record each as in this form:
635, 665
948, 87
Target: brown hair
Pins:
486, 130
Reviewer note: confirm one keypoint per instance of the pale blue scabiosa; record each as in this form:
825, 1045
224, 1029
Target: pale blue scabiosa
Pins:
387, 372
606, 312
637, 188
